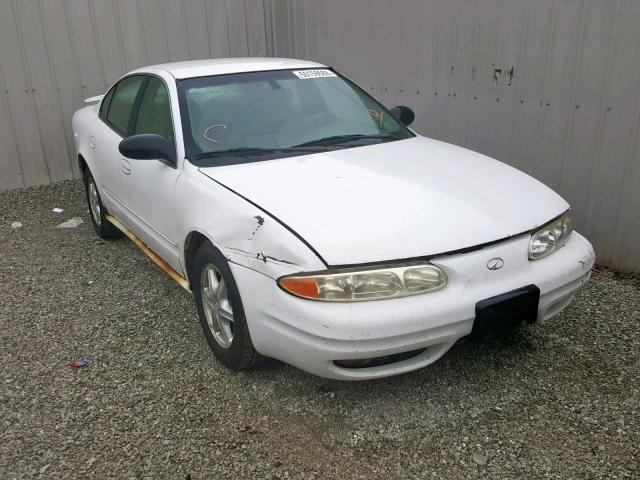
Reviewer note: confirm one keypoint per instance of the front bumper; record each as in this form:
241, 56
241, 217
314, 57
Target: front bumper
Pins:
313, 335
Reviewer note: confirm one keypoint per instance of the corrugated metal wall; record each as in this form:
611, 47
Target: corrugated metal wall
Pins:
549, 86
55, 53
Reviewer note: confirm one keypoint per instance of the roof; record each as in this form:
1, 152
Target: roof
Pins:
221, 66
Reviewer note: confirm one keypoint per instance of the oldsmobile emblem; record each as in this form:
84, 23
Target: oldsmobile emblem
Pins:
495, 263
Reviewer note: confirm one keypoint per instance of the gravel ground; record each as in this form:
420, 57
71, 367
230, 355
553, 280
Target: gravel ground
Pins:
555, 401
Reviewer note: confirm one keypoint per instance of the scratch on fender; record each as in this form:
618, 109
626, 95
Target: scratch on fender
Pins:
264, 258
260, 256
260, 220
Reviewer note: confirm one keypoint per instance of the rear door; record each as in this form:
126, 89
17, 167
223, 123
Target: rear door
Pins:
115, 115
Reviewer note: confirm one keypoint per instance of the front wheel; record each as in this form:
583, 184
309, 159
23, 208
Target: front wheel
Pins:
220, 309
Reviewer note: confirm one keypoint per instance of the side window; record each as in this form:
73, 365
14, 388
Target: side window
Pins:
104, 106
122, 102
154, 115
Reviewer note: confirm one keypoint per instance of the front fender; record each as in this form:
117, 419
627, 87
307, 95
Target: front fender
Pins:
244, 233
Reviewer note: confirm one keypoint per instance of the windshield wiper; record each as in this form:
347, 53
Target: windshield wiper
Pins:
306, 147
345, 138
248, 151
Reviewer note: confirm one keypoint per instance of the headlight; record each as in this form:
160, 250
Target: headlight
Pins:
551, 236
355, 285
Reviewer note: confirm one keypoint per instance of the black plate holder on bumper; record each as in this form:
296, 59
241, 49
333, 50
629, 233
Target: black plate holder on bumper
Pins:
504, 312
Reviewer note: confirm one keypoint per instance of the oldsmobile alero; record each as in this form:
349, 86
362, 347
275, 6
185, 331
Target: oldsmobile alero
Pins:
312, 225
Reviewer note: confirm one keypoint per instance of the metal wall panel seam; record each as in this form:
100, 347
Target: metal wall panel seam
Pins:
518, 85
77, 81
142, 33
74, 52
246, 30
94, 32
163, 10
451, 73
109, 41
545, 88
17, 160
117, 16
266, 25
473, 69
511, 34
66, 123
570, 120
597, 160
27, 76
633, 153
44, 93
183, 10
292, 30
226, 16
207, 28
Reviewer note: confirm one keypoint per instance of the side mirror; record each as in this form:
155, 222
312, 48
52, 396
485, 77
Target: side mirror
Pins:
149, 146
403, 114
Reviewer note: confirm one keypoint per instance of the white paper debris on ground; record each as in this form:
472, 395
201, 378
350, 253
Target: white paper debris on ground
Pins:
71, 223
16, 225
57, 210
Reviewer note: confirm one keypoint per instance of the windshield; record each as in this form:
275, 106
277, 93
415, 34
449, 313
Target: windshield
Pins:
282, 112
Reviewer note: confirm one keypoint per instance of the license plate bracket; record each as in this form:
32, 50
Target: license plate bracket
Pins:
506, 311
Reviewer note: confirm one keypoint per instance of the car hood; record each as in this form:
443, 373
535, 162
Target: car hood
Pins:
396, 200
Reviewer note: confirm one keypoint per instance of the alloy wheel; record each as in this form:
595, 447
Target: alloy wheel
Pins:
216, 304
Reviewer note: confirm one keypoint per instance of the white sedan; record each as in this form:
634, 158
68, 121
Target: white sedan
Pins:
312, 225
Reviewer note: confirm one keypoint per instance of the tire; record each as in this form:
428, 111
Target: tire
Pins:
97, 211
220, 311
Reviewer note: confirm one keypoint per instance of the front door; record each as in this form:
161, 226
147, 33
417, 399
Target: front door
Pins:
149, 185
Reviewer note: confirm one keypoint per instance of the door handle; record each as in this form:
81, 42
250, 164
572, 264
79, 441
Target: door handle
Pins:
92, 143
125, 166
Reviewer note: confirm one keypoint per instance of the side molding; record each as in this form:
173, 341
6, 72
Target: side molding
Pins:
180, 280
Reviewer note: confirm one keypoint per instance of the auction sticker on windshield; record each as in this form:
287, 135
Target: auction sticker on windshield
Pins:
304, 74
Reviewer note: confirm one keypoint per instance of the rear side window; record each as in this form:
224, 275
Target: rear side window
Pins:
104, 106
154, 115
122, 102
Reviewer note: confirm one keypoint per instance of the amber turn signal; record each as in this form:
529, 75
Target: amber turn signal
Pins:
301, 286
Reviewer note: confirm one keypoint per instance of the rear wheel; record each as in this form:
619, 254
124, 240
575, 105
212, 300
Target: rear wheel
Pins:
220, 309
104, 228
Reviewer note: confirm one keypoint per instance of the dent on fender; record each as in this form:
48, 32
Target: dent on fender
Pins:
251, 244
245, 234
